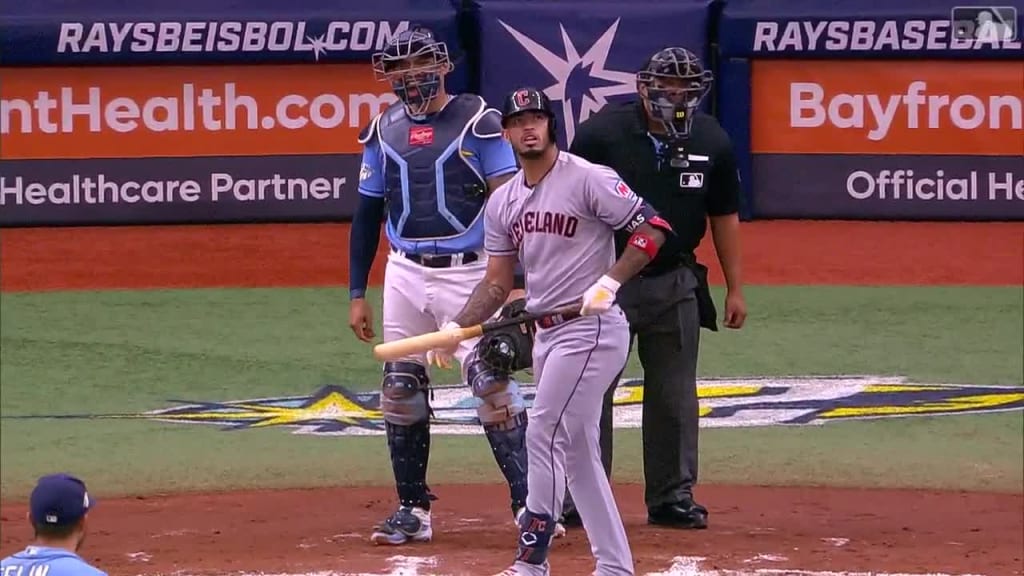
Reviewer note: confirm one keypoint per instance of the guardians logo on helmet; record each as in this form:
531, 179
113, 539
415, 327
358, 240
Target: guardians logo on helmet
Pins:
519, 118
529, 100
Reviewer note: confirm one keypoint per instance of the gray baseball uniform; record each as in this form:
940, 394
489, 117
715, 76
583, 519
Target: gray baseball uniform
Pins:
562, 231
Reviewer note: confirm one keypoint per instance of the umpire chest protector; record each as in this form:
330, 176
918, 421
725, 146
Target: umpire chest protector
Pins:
433, 191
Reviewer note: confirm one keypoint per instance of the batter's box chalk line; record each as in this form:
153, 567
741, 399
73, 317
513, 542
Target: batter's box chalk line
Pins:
680, 566
691, 566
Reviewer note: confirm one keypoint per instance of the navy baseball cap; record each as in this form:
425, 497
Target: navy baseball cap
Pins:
59, 500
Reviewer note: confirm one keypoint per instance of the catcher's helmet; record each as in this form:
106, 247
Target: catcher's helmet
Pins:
528, 99
676, 83
419, 83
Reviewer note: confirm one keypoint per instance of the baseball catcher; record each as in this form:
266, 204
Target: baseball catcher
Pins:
430, 162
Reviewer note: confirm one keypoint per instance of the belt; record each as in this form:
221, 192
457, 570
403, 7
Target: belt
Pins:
442, 260
553, 320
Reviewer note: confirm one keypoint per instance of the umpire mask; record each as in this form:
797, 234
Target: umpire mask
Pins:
413, 64
675, 83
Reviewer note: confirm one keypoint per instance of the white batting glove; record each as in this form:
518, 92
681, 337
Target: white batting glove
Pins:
600, 297
442, 357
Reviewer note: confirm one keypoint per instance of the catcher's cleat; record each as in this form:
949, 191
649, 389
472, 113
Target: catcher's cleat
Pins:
405, 525
559, 529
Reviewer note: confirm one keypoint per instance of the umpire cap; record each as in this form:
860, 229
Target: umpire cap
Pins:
528, 99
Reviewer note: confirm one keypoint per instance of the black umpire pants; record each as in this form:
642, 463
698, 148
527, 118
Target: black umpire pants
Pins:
664, 321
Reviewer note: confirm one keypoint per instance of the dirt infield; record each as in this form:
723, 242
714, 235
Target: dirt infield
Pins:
754, 530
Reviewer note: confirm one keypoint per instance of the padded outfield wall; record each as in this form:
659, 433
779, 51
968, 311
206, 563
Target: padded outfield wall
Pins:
205, 111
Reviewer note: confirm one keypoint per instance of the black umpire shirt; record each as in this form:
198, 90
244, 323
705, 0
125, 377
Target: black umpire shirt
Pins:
705, 183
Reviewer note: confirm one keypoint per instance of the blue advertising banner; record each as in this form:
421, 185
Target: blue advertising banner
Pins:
869, 28
583, 55
899, 187
178, 190
63, 32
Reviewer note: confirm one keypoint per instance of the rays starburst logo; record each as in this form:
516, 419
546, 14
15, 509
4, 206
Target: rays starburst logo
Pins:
582, 83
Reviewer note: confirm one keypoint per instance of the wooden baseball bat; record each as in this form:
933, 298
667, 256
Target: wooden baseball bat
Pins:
389, 351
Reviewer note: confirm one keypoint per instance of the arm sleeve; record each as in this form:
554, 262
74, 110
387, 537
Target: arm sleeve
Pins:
519, 277
609, 197
724, 192
497, 241
371, 173
365, 237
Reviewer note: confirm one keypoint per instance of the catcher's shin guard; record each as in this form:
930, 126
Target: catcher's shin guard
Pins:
509, 447
407, 423
502, 412
535, 533
410, 452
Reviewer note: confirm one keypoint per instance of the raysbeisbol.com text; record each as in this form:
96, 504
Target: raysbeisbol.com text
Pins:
934, 186
220, 187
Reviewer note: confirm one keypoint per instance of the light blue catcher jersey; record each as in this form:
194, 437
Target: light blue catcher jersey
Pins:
434, 217
42, 561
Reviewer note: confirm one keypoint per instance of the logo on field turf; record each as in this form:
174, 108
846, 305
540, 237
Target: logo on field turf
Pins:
724, 403
744, 402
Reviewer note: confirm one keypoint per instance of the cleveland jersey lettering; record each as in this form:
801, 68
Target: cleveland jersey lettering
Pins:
544, 223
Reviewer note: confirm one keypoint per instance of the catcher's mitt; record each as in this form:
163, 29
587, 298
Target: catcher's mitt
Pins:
511, 348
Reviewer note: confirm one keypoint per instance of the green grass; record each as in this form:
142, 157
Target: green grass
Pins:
124, 352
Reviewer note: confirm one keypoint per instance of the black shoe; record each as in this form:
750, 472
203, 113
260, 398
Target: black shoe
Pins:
570, 517
685, 514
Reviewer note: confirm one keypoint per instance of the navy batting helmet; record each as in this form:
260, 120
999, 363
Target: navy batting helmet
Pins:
413, 62
676, 83
529, 99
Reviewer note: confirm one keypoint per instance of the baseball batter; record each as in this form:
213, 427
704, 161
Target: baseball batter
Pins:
557, 217
429, 162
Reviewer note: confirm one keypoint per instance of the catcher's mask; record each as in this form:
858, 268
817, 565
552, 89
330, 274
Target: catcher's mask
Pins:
529, 99
672, 85
413, 63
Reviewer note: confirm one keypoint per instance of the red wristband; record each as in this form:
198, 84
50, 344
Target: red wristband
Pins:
644, 243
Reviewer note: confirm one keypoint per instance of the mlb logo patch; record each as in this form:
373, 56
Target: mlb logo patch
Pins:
691, 180
623, 190
421, 135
